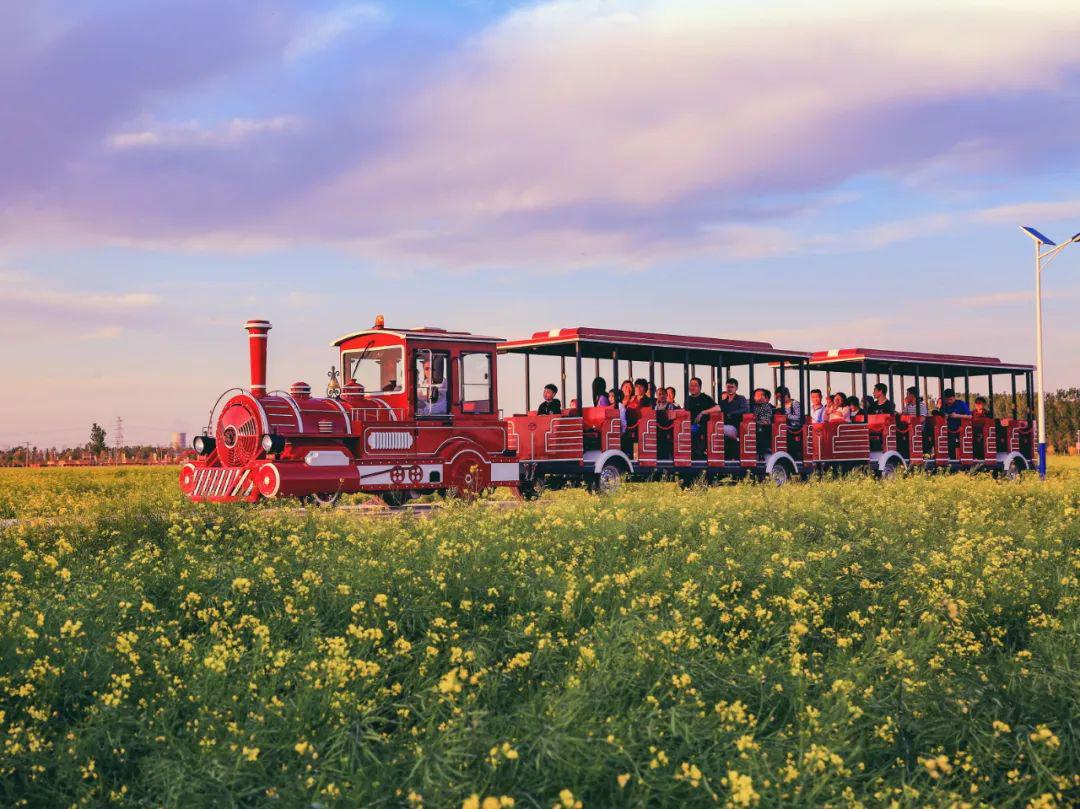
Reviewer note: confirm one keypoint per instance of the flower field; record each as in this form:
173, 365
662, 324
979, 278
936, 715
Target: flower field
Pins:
910, 643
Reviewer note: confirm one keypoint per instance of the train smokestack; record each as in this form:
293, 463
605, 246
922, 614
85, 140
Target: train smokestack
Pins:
257, 336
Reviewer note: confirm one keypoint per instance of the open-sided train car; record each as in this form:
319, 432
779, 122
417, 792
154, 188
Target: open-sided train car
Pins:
418, 412
923, 438
591, 444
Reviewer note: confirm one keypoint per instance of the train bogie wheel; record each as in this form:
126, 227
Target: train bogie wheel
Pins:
779, 475
396, 498
610, 479
468, 476
322, 499
533, 489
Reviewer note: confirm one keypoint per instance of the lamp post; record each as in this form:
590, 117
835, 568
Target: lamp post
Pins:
1042, 257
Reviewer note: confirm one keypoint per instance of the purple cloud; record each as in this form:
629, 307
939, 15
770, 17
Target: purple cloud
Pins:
564, 134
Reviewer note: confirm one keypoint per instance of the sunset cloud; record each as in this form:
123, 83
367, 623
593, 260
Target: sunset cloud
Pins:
562, 135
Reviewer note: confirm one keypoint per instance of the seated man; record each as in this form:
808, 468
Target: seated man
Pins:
951, 406
981, 411
671, 398
881, 403
817, 407
732, 407
697, 402
913, 404
550, 406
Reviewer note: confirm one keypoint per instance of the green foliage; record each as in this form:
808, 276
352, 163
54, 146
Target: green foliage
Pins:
97, 439
826, 643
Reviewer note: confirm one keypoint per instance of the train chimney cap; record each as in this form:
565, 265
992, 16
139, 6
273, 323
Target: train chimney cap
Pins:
256, 324
380, 322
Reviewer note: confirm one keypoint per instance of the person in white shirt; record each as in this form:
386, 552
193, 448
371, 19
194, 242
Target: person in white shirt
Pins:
817, 407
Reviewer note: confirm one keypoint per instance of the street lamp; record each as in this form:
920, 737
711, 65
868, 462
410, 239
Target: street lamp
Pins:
1042, 256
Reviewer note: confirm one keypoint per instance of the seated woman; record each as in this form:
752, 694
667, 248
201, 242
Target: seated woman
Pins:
837, 409
641, 393
600, 393
855, 411
981, 411
627, 391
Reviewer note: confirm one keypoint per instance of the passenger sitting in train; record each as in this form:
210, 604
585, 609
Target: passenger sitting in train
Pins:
817, 407
641, 393
838, 409
792, 408
762, 409
951, 406
662, 405
550, 406
855, 412
627, 391
981, 411
698, 403
881, 403
574, 404
763, 418
732, 406
910, 398
600, 393
664, 439
671, 398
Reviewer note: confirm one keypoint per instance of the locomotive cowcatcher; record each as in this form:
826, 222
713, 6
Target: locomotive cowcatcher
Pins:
397, 427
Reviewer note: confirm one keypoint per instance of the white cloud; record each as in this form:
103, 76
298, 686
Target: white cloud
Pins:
192, 135
321, 30
103, 333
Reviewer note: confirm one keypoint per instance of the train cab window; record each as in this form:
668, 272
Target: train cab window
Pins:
432, 383
380, 370
475, 379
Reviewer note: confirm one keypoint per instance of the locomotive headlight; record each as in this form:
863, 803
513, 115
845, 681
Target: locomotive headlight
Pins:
272, 444
203, 444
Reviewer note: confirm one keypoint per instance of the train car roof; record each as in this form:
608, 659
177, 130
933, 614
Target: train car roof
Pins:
636, 345
423, 333
880, 360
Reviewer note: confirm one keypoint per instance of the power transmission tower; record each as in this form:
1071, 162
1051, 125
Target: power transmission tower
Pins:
118, 438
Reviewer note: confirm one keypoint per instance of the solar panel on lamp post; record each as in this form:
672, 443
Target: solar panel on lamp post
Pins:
1041, 259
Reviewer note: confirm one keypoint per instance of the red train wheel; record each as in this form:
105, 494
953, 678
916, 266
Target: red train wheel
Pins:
468, 476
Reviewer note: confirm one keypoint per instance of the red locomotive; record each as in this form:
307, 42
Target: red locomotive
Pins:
418, 412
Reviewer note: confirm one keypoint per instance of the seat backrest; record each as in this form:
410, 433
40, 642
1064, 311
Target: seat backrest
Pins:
596, 417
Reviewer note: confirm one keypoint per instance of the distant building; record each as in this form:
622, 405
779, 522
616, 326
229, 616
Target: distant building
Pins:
179, 441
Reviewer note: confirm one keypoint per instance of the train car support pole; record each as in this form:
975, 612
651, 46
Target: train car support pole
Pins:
892, 390
750, 372
615, 372
967, 387
562, 377
577, 374
652, 367
1012, 377
864, 394
527, 407
990, 386
686, 376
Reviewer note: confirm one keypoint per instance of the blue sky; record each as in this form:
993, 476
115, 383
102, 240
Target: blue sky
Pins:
817, 175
